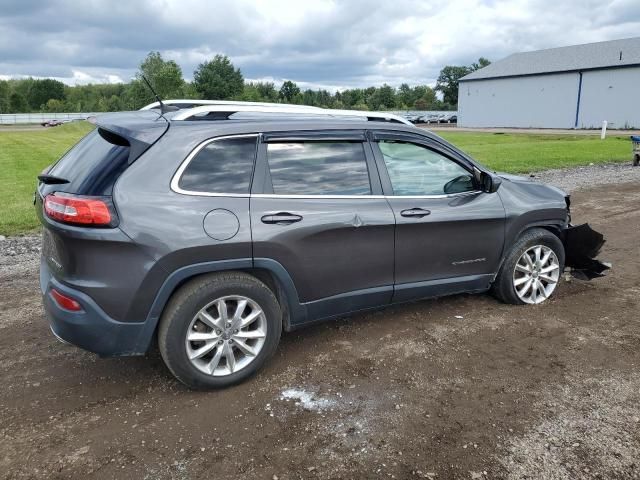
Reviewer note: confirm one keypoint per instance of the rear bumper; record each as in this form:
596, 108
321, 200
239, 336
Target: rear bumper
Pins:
91, 329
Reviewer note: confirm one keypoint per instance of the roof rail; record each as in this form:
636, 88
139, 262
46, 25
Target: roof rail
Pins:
193, 102
201, 111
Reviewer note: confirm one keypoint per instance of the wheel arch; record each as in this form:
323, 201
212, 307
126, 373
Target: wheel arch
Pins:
269, 271
554, 227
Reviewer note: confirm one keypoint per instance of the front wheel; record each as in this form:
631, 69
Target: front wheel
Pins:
532, 269
219, 329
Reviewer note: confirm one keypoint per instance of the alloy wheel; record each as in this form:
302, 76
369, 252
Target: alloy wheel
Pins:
536, 274
226, 335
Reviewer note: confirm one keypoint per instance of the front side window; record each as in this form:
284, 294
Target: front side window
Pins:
222, 166
417, 170
318, 168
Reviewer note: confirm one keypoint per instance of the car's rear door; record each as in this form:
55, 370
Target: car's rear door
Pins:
449, 234
317, 209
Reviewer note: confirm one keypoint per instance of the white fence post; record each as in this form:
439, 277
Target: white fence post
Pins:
603, 133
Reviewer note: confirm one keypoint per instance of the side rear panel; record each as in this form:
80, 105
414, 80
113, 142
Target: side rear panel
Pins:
173, 229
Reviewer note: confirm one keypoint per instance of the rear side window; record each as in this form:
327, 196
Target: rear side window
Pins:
222, 166
318, 168
93, 165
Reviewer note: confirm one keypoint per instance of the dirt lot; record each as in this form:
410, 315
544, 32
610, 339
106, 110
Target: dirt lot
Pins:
462, 387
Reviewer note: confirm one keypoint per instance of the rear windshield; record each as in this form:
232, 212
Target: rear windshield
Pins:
93, 165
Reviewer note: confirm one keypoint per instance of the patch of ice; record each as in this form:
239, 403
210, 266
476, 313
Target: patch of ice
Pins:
307, 400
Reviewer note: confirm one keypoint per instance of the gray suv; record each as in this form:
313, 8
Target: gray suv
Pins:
213, 229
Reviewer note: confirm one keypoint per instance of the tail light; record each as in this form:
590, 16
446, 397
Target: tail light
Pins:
65, 302
80, 210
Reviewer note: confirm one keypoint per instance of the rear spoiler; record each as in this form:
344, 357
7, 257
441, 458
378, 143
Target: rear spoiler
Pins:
138, 130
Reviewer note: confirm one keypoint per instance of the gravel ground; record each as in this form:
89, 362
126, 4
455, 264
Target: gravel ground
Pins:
460, 387
570, 179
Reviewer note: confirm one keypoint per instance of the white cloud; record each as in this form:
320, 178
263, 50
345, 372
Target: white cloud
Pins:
331, 44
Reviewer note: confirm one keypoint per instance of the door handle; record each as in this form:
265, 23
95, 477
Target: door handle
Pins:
415, 212
282, 218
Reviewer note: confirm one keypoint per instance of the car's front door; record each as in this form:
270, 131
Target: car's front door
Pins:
317, 209
449, 234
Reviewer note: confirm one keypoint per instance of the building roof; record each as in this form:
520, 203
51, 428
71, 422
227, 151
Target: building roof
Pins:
589, 56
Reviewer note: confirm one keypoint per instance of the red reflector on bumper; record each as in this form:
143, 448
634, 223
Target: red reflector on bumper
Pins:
65, 302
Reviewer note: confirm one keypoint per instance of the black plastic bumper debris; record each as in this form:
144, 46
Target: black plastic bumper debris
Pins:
582, 245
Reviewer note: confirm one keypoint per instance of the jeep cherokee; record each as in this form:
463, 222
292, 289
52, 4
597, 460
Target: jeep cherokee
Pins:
214, 228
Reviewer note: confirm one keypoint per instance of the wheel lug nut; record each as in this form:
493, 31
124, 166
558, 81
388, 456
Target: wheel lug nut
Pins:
235, 331
231, 340
219, 342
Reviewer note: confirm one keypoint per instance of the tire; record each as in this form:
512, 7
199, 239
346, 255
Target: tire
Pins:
504, 287
213, 294
636, 160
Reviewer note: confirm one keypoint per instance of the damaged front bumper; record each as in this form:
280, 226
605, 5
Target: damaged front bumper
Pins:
582, 245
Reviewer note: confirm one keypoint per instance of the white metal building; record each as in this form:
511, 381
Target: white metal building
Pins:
566, 87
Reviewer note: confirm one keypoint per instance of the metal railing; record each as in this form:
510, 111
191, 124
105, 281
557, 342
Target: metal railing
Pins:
18, 118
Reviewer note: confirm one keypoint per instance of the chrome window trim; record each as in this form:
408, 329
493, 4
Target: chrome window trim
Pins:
175, 180
328, 197
388, 197
185, 163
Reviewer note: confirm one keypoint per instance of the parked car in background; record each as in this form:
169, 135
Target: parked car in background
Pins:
412, 117
430, 118
51, 123
211, 230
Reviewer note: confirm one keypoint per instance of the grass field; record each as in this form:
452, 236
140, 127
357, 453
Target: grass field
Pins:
524, 153
24, 153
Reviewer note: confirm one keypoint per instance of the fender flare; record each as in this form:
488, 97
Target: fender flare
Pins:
297, 311
546, 224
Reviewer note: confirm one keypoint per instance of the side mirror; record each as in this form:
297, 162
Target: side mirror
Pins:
489, 182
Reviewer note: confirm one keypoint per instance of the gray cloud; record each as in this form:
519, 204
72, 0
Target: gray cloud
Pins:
332, 43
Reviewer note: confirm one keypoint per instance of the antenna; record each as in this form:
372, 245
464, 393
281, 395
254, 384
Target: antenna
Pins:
162, 110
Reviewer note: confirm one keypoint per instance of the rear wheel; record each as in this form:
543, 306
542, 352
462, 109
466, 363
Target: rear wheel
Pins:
219, 329
531, 271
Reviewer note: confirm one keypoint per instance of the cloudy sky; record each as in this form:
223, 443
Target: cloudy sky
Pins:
331, 44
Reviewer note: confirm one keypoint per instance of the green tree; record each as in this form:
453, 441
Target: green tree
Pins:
289, 91
360, 106
382, 98
353, 97
481, 63
4, 96
164, 75
137, 95
259, 92
189, 91
114, 104
309, 97
447, 82
406, 95
218, 79
18, 103
449, 77
43, 90
267, 91
54, 105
